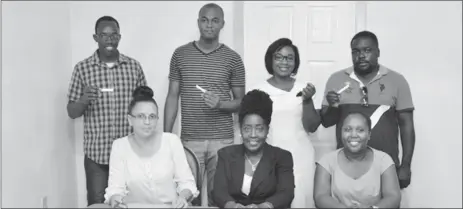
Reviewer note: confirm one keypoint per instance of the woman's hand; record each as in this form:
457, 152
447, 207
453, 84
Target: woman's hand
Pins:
180, 202
237, 205
117, 201
308, 91
356, 204
265, 205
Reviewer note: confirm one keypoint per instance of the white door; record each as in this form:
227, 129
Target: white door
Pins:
321, 30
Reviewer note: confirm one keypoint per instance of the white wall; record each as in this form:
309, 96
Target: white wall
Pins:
422, 40
42, 41
150, 33
37, 136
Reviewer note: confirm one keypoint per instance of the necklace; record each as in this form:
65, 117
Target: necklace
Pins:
253, 166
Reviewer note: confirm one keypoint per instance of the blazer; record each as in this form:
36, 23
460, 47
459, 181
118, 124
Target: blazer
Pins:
273, 180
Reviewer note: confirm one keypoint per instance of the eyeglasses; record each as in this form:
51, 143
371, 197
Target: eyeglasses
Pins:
365, 96
114, 36
143, 117
279, 57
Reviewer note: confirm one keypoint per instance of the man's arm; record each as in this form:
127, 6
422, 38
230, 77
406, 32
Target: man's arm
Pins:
171, 105
238, 83
76, 106
76, 109
329, 115
405, 110
407, 136
233, 105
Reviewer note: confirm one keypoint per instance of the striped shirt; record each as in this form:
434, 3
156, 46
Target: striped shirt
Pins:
105, 118
217, 71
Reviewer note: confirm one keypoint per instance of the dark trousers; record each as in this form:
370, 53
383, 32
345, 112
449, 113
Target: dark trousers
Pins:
97, 180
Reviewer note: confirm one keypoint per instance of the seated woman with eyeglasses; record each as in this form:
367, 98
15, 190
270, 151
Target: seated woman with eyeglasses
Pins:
254, 174
148, 168
356, 176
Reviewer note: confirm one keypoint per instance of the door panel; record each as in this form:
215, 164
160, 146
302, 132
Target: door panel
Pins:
322, 32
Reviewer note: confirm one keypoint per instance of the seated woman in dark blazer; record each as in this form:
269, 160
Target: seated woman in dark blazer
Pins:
254, 174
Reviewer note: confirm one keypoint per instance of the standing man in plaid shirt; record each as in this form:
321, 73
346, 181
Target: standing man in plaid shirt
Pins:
100, 89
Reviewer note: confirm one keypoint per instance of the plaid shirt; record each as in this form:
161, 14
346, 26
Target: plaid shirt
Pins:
105, 118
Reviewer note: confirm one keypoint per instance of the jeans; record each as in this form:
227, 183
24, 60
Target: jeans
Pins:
206, 152
97, 180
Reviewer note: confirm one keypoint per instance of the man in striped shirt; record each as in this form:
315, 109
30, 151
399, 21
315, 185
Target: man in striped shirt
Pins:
101, 89
207, 122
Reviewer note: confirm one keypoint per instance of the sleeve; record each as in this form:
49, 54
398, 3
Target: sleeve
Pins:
326, 161
220, 192
284, 194
404, 95
141, 80
330, 85
183, 175
386, 162
174, 72
238, 74
116, 181
76, 86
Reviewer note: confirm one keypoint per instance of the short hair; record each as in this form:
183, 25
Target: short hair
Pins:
141, 94
367, 119
365, 34
256, 102
212, 6
277, 46
105, 18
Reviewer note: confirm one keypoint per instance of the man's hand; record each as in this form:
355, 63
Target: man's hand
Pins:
405, 174
308, 91
333, 98
211, 99
90, 94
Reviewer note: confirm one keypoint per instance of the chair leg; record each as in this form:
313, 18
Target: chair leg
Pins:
204, 195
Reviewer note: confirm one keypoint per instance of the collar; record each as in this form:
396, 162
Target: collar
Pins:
96, 60
382, 70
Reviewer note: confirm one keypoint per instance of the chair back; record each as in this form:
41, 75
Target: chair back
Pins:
193, 162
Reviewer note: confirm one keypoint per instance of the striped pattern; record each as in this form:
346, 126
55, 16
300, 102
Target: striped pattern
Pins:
217, 71
106, 118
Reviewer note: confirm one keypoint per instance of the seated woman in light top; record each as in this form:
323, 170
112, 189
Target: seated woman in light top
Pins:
356, 176
148, 168
254, 174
